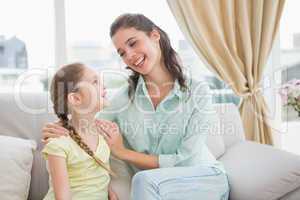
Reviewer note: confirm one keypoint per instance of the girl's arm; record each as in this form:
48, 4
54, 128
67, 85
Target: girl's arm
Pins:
111, 193
59, 175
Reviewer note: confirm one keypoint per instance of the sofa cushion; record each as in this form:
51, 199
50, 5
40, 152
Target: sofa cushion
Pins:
230, 126
294, 195
216, 145
214, 140
16, 157
260, 172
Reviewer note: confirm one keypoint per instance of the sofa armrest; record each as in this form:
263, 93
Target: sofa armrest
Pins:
257, 171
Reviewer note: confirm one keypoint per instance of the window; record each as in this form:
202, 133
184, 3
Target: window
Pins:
88, 41
69, 31
26, 42
290, 71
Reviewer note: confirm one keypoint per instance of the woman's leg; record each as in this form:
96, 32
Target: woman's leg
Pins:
180, 183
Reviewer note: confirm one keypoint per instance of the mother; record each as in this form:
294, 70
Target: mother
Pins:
164, 122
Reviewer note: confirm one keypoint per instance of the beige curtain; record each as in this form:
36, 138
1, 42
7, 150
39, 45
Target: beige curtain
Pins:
235, 38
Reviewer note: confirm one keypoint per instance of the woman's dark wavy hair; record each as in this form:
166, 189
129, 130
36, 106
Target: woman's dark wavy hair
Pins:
169, 55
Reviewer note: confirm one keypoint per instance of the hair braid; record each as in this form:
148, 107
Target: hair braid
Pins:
76, 137
60, 88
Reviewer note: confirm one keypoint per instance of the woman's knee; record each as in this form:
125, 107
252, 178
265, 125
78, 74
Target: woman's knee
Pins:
141, 178
143, 186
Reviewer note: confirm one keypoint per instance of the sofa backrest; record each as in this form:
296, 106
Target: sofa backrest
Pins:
23, 115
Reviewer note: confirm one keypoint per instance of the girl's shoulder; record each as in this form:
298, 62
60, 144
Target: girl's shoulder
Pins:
62, 142
60, 146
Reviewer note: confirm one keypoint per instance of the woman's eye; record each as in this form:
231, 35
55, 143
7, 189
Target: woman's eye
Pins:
132, 44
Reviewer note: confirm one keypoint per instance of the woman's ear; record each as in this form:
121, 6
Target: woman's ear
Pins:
74, 99
155, 35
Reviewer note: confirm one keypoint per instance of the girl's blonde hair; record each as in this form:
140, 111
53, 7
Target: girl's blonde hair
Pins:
63, 83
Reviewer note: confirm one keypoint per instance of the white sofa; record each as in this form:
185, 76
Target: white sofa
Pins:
255, 171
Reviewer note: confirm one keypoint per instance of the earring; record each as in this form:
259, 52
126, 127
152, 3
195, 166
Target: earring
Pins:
69, 116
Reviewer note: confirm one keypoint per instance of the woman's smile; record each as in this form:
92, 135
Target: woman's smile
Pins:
139, 62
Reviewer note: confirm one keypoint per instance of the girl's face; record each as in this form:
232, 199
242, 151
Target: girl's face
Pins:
90, 95
139, 51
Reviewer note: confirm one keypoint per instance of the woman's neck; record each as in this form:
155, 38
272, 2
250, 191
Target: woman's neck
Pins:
159, 76
159, 83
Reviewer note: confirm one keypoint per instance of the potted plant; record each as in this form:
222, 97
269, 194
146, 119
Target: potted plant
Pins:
290, 94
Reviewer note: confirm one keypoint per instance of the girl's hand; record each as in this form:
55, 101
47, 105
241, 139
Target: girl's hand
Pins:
111, 194
53, 130
111, 133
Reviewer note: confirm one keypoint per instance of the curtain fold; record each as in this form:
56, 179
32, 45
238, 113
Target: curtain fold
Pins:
235, 38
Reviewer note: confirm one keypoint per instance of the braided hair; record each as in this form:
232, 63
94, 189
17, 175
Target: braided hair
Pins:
64, 82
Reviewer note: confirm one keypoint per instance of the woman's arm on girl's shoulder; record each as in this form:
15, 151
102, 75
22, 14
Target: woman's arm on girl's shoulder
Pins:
111, 133
59, 176
53, 130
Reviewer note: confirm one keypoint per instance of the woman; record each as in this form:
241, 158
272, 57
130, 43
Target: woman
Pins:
164, 123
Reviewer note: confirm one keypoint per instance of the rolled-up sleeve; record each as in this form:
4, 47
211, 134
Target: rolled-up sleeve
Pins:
199, 124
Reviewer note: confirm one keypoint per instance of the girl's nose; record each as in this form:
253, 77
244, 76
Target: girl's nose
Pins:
104, 92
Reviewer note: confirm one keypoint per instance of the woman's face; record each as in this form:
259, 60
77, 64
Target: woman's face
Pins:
91, 92
139, 51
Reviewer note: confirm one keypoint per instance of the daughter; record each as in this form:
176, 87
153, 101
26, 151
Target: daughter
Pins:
79, 164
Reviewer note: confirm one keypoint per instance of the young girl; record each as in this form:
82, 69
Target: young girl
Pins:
164, 122
78, 164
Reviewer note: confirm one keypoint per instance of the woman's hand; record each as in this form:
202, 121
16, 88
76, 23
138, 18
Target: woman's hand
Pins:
111, 133
111, 194
53, 130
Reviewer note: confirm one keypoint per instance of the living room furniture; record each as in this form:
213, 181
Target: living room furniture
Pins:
255, 171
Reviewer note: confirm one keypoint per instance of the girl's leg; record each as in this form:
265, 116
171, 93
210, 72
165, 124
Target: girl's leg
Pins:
180, 183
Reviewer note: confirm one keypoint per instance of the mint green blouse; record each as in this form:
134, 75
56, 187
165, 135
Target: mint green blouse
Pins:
175, 131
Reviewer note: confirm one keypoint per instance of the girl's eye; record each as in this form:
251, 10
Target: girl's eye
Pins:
122, 54
95, 82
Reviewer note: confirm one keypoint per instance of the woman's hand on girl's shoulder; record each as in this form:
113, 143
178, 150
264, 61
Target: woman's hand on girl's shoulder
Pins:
108, 129
111, 133
53, 130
